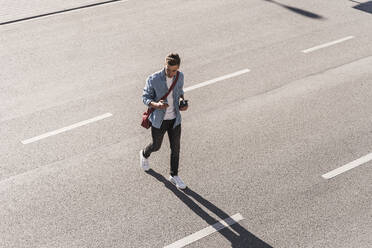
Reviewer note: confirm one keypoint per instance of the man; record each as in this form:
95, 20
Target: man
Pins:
166, 117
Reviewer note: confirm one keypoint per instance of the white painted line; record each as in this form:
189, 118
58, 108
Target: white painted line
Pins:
206, 231
348, 166
79, 124
327, 44
238, 73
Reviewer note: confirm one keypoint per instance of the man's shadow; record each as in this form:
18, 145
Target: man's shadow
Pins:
240, 238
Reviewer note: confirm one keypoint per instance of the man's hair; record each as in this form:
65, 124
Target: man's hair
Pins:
173, 59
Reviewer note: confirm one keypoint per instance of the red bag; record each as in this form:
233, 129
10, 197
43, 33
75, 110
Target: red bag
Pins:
146, 123
145, 118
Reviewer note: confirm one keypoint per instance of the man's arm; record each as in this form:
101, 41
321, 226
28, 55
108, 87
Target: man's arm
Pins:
148, 94
148, 97
159, 105
182, 95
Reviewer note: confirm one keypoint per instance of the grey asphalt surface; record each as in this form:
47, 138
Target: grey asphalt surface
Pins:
256, 144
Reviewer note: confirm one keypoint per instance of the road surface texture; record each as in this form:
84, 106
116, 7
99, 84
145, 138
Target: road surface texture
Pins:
255, 144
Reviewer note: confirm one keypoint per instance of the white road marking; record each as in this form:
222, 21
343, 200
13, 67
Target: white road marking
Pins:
108, 114
212, 81
79, 124
206, 231
348, 166
327, 44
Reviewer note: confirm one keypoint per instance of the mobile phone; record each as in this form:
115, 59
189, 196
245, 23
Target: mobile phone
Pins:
183, 103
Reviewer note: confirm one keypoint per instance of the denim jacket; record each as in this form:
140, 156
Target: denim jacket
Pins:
155, 88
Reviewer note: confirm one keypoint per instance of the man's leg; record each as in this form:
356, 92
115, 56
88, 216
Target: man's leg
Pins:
157, 139
174, 135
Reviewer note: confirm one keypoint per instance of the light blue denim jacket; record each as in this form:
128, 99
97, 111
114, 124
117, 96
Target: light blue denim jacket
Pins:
155, 88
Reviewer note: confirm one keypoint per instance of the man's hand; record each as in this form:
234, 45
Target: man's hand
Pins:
184, 108
159, 105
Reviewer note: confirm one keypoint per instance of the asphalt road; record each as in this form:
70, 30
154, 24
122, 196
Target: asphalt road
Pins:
256, 144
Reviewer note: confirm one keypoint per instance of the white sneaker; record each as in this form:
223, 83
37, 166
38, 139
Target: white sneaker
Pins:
177, 181
144, 162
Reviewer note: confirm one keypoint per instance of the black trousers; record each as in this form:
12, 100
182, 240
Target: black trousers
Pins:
174, 135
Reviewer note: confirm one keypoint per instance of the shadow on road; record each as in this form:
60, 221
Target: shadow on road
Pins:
297, 10
239, 238
59, 12
366, 7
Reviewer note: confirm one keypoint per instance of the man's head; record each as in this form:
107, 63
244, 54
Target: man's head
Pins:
172, 64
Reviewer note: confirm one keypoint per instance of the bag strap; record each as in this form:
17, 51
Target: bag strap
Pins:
150, 110
172, 86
